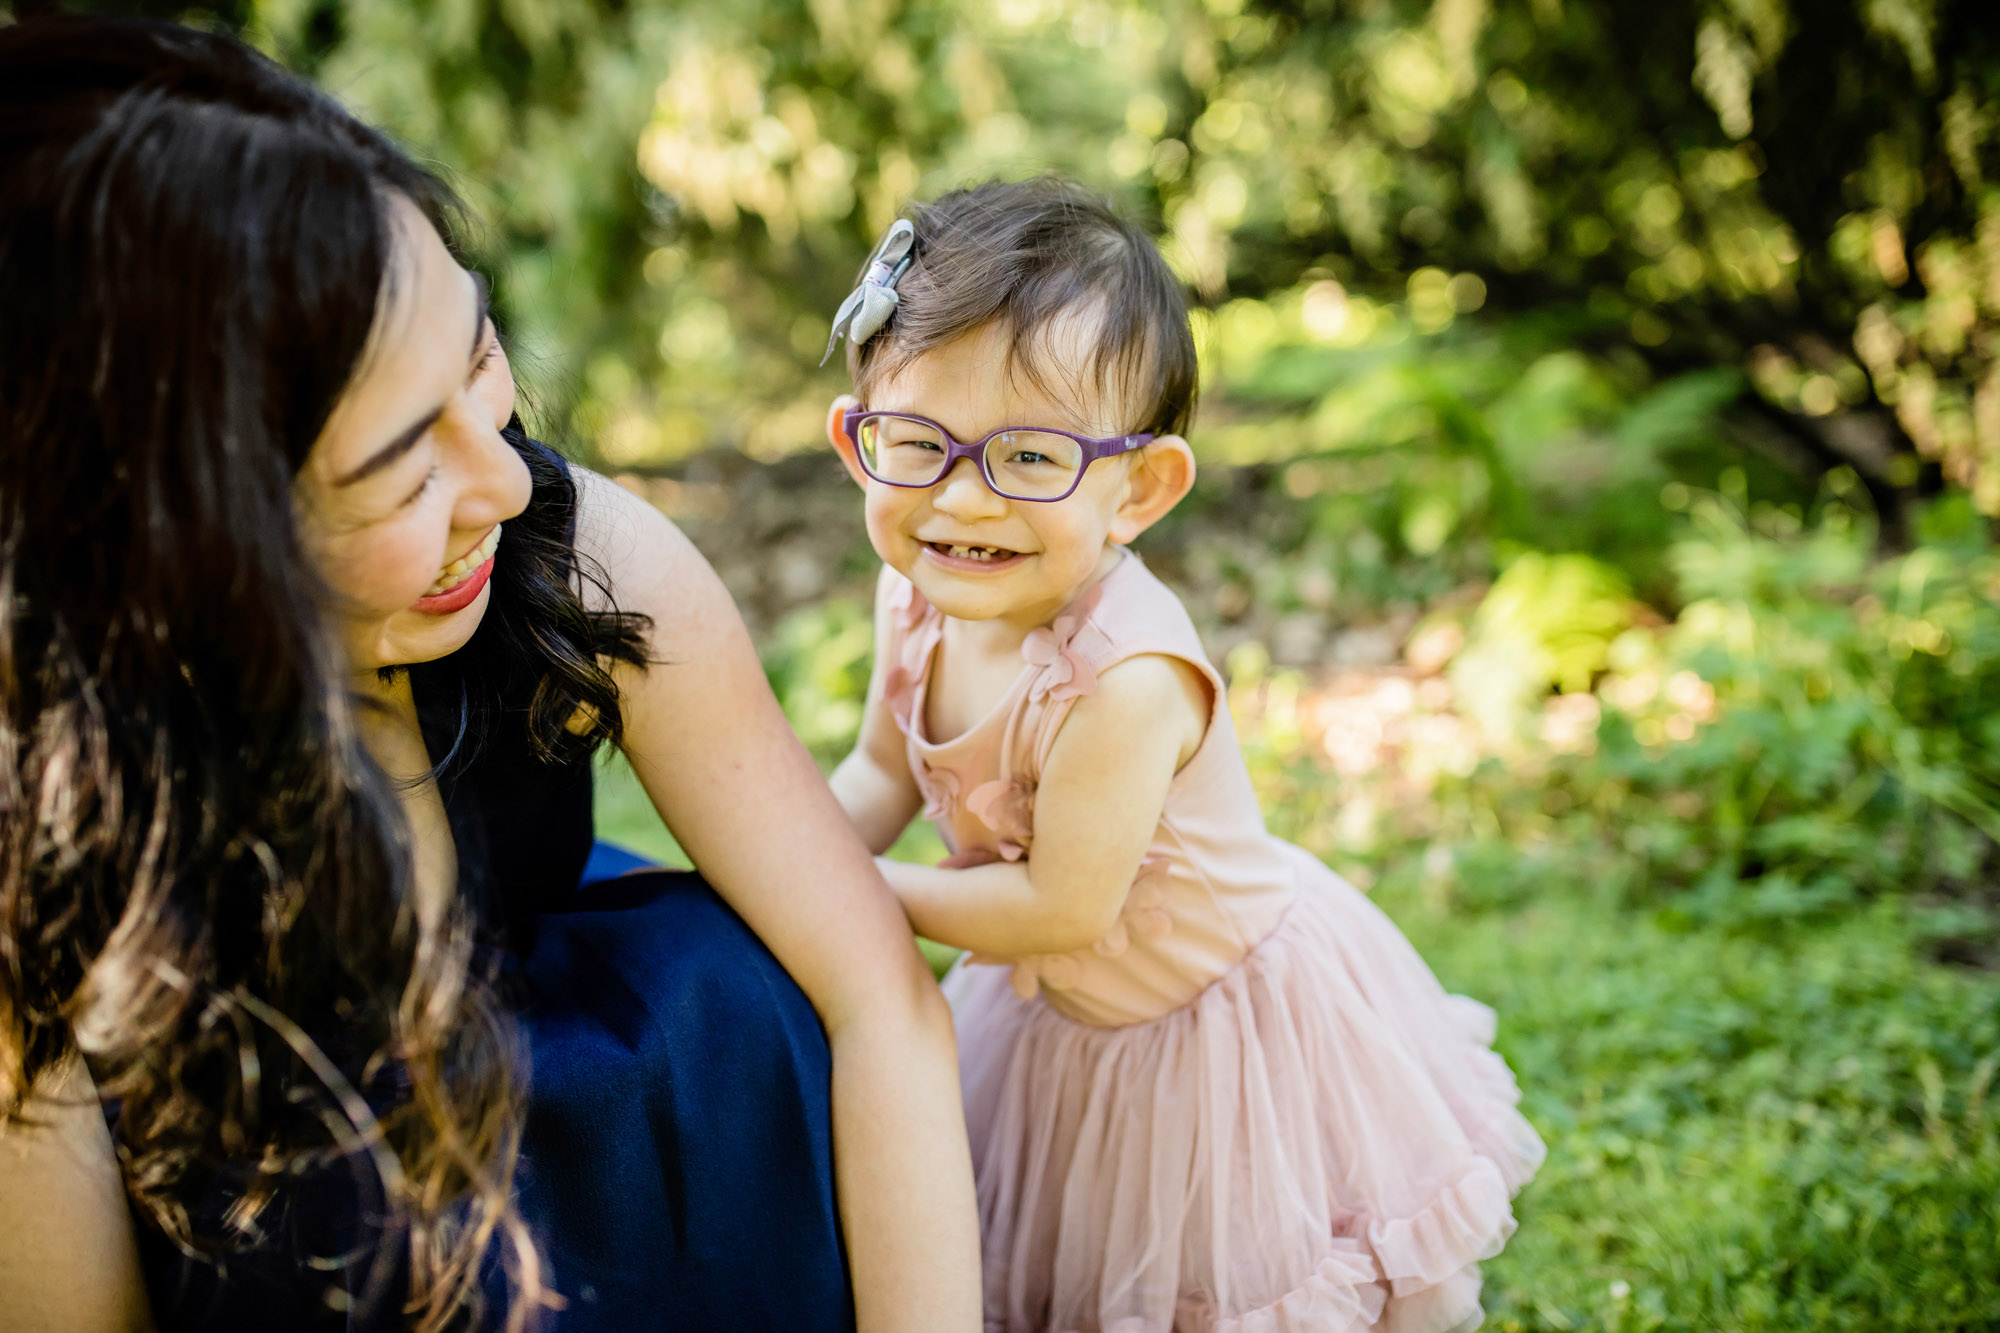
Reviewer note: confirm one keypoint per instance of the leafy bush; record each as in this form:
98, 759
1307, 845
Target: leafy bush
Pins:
1548, 620
1817, 727
1854, 748
1793, 200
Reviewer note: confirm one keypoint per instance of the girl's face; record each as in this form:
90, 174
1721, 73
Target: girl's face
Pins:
1034, 558
402, 497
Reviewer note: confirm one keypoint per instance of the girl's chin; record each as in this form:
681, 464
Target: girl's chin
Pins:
969, 599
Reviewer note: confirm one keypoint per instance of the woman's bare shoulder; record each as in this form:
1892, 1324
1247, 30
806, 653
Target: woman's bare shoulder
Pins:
649, 563
68, 1260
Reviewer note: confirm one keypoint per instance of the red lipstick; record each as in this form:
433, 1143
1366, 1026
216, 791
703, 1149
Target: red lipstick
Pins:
458, 598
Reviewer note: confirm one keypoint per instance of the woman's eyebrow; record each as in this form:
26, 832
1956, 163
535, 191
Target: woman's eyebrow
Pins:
407, 438
404, 441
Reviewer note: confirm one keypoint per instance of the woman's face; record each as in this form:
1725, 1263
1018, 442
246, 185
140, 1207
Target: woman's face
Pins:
402, 497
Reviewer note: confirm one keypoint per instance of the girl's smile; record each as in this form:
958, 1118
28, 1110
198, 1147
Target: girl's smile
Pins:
977, 554
967, 558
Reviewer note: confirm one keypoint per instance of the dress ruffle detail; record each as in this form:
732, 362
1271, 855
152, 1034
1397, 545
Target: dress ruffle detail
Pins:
1320, 1142
1340, 1295
1468, 1221
1066, 673
1006, 806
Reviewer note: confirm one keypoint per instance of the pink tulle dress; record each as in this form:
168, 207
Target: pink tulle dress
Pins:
1250, 1107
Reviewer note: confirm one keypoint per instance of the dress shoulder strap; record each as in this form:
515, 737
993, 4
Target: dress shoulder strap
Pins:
1129, 613
1137, 614
907, 631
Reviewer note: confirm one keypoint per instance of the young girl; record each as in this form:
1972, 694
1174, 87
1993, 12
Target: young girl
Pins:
1209, 1085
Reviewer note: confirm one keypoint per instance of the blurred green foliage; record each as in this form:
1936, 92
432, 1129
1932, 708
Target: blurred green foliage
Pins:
1797, 205
1859, 709
1628, 368
1816, 728
818, 664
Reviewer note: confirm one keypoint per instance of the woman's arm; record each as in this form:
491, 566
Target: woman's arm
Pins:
874, 784
68, 1262
713, 750
1096, 809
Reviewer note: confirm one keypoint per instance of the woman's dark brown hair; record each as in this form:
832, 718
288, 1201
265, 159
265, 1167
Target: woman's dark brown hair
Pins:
1026, 254
205, 883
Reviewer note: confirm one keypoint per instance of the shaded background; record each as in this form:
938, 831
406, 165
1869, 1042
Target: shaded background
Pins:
1601, 450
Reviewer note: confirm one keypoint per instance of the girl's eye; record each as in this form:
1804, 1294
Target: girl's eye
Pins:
1030, 457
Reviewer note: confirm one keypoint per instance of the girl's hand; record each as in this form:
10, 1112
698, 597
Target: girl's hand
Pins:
712, 748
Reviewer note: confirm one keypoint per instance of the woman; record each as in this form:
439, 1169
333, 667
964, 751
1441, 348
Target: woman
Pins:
301, 662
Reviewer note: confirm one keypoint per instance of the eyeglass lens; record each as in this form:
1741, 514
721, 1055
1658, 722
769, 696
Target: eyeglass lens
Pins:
1024, 464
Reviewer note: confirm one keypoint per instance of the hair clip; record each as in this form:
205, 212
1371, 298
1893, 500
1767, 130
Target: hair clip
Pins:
868, 307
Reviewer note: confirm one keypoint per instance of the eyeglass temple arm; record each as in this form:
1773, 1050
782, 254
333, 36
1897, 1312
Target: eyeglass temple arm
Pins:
1105, 448
1123, 445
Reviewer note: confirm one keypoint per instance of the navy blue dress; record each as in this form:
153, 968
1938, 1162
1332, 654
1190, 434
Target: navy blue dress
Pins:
677, 1161
676, 1164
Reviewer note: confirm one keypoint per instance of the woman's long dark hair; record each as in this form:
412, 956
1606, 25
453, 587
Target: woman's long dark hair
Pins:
205, 883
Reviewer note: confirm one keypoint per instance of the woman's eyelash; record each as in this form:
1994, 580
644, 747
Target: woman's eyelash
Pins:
478, 369
417, 494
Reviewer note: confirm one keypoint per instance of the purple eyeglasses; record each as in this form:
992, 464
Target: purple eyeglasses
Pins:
1020, 462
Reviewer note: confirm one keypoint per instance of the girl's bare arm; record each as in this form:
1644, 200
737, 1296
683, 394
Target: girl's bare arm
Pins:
874, 784
1096, 809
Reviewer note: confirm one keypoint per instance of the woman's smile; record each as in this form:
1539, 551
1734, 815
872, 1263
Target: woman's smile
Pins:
459, 582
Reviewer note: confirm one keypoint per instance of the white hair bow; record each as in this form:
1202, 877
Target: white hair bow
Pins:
868, 307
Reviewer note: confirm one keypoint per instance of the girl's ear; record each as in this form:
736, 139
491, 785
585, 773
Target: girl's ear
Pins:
1155, 482
843, 443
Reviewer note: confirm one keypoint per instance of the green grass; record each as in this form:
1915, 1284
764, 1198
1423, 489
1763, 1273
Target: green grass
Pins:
1744, 1132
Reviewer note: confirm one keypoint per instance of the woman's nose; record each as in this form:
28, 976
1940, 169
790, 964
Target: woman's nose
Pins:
493, 480
963, 492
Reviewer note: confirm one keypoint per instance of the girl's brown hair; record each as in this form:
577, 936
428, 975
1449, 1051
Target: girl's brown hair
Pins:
1028, 254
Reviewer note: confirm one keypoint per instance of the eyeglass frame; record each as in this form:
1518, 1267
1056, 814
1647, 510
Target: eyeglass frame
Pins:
955, 449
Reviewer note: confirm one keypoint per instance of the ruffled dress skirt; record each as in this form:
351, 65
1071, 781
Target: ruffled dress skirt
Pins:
1322, 1140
